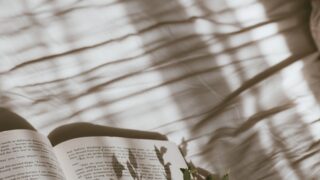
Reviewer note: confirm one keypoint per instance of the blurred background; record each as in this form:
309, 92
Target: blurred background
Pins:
234, 83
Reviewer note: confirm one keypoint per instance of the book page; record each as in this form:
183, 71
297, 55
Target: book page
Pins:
101, 158
26, 154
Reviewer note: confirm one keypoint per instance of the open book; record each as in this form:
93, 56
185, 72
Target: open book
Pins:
27, 154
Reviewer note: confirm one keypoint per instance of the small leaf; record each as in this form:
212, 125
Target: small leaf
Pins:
225, 177
193, 170
183, 170
186, 174
210, 177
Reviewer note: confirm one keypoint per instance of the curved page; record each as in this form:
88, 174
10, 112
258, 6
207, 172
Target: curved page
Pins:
26, 154
101, 158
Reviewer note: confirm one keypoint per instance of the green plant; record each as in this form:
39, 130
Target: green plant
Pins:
191, 173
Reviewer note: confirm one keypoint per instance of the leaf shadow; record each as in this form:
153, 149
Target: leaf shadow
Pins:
132, 166
166, 166
117, 167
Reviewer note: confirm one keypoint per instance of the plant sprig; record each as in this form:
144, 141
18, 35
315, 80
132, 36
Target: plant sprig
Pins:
191, 173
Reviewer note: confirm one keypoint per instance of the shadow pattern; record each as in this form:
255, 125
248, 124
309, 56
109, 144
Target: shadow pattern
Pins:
222, 75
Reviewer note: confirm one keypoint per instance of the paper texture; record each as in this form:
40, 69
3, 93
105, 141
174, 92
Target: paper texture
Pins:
25, 154
119, 158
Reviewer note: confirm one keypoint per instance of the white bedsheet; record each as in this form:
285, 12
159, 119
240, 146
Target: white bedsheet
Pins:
234, 82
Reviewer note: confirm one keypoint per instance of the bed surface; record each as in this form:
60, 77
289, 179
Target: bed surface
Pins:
235, 83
